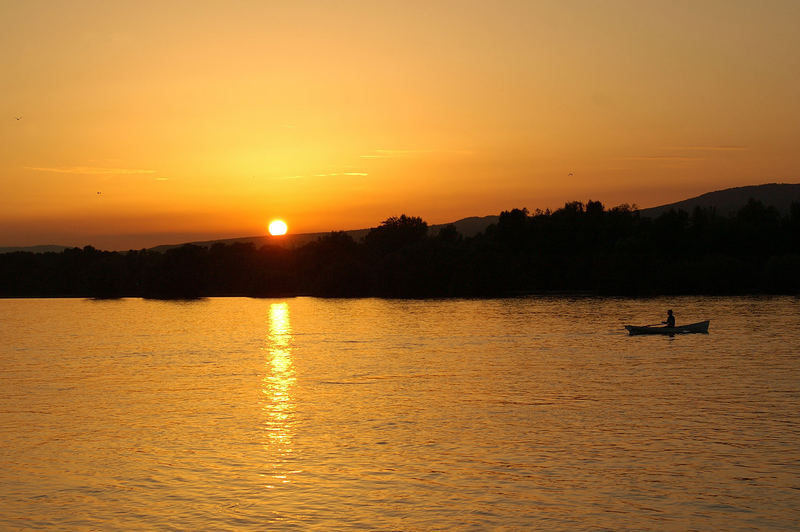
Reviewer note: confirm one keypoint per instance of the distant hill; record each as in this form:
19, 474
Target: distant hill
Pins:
289, 241
730, 200
726, 202
35, 249
470, 226
466, 226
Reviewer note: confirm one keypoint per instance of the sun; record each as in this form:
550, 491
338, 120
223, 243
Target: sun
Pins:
277, 227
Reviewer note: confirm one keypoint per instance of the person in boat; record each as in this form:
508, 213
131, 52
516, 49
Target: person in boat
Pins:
670, 319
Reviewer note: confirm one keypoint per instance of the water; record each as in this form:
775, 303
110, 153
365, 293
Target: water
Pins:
236, 414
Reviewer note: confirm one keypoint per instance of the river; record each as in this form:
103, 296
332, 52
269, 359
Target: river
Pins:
304, 413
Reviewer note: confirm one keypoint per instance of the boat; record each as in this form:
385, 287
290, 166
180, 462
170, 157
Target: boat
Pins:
699, 327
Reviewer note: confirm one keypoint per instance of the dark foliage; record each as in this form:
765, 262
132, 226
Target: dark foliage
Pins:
578, 248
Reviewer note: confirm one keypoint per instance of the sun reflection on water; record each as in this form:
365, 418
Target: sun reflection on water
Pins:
279, 380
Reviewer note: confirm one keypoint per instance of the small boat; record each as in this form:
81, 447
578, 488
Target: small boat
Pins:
699, 327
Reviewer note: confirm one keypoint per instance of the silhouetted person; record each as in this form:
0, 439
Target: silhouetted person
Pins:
670, 319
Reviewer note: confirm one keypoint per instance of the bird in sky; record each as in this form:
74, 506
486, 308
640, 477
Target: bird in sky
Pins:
18, 117
570, 173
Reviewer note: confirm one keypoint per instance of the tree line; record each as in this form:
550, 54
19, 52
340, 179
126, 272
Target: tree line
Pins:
582, 248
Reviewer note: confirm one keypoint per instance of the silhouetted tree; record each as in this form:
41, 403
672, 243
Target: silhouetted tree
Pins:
576, 248
395, 233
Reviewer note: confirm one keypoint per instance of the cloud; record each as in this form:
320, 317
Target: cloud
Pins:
706, 148
91, 170
691, 153
400, 153
390, 154
340, 173
333, 174
660, 158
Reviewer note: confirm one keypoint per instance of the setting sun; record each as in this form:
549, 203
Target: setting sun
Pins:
277, 227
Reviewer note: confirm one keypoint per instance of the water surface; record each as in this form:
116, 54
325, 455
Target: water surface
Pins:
238, 414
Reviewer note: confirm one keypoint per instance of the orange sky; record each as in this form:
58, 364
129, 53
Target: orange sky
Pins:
199, 120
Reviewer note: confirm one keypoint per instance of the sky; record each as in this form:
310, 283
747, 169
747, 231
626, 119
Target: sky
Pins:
132, 124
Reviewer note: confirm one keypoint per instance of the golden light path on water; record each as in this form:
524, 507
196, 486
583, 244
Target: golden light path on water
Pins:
279, 381
536, 413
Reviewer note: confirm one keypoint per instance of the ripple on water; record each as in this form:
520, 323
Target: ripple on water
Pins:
519, 413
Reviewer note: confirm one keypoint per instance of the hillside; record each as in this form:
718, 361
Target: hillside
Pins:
35, 249
728, 201
466, 226
575, 250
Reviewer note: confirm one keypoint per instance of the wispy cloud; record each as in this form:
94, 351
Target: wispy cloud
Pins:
685, 153
706, 148
332, 174
340, 173
660, 158
401, 153
90, 170
390, 154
